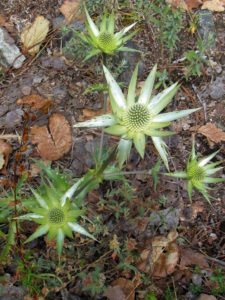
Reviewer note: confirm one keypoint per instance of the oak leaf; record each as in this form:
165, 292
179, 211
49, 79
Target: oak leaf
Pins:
36, 102
54, 144
34, 34
212, 133
162, 256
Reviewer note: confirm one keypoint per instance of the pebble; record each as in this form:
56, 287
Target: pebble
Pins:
26, 89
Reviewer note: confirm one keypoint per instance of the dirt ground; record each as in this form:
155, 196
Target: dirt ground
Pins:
129, 217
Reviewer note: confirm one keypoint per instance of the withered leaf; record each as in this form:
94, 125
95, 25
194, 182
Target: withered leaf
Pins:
36, 102
5, 150
212, 133
214, 5
162, 256
53, 145
70, 10
190, 258
123, 288
33, 35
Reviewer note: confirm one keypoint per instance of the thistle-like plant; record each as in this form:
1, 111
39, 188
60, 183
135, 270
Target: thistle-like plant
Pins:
54, 212
198, 173
104, 40
132, 119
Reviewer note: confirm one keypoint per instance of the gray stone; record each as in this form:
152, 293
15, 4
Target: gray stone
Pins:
197, 279
167, 219
132, 58
13, 118
10, 54
217, 88
10, 292
206, 27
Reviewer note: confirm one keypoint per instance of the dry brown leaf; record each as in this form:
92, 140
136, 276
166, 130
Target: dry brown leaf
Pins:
53, 145
36, 102
212, 133
70, 10
162, 257
206, 297
141, 223
124, 285
6, 24
33, 35
214, 5
90, 113
5, 150
189, 258
185, 4
115, 293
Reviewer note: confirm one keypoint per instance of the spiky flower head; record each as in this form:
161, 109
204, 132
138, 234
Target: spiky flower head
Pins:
198, 173
132, 119
55, 214
104, 39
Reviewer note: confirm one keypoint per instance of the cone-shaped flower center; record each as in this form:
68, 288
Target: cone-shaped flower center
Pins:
137, 117
196, 173
56, 216
106, 41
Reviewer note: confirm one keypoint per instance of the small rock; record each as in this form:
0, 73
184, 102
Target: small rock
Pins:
38, 79
206, 27
132, 58
206, 297
13, 118
10, 54
168, 217
10, 292
59, 92
53, 62
197, 279
217, 88
26, 89
3, 110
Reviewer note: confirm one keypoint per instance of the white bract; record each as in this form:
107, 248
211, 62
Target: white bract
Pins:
104, 39
133, 120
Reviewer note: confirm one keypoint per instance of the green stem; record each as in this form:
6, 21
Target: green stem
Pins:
104, 60
144, 172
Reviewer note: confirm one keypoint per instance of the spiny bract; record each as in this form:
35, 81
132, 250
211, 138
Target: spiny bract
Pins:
132, 119
54, 212
197, 173
104, 40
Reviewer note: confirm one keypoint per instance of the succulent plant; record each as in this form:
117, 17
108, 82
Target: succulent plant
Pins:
198, 173
132, 119
104, 40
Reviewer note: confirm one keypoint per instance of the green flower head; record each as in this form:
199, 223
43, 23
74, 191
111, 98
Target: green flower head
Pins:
133, 120
198, 173
104, 39
55, 214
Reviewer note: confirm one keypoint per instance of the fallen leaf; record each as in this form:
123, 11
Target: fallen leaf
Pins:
206, 297
70, 10
212, 133
5, 150
185, 4
6, 24
162, 256
90, 113
123, 287
33, 35
52, 146
214, 5
141, 223
36, 102
190, 258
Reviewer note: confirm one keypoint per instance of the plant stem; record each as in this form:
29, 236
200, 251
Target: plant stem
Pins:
104, 60
147, 172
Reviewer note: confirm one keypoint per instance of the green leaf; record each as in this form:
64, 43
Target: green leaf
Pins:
101, 121
213, 180
160, 146
180, 174
103, 23
116, 130
92, 53
154, 172
189, 188
123, 153
43, 229
39, 199
146, 91
111, 23
171, 116
152, 132
60, 241
92, 25
77, 228
139, 142
132, 87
